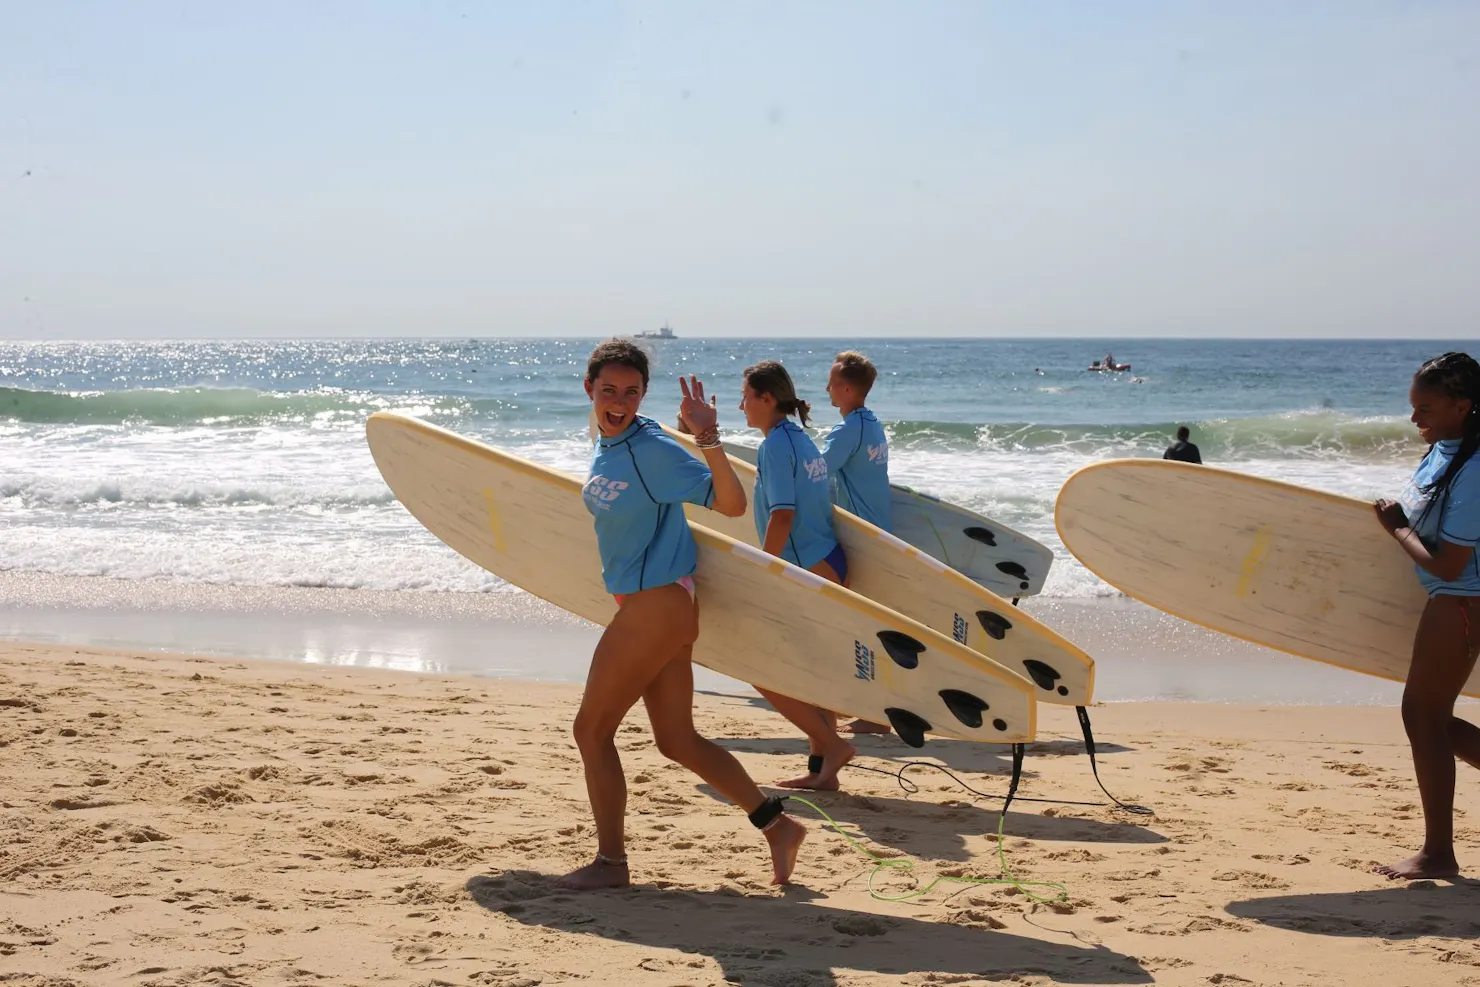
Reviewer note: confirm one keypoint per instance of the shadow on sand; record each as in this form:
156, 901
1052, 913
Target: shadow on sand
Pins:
1411, 911
938, 832
789, 940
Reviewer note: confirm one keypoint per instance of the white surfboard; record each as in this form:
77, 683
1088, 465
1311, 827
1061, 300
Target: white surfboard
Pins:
904, 578
1303, 571
761, 620
1005, 561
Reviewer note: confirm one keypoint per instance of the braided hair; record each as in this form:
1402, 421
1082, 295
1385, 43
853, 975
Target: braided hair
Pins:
1456, 376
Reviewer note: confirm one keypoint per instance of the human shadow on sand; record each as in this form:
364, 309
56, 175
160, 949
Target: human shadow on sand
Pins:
1405, 912
775, 940
930, 831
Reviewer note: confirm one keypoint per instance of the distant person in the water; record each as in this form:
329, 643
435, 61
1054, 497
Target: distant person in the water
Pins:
857, 454
1182, 450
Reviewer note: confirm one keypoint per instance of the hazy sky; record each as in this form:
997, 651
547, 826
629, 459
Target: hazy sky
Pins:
449, 167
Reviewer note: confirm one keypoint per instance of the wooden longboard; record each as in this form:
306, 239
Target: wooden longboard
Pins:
904, 578
1005, 561
761, 620
1298, 570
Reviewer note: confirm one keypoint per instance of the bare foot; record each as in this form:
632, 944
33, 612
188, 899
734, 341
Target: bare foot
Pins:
810, 783
825, 780
594, 876
866, 726
1419, 866
785, 838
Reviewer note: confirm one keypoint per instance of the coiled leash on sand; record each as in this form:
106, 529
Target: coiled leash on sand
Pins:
904, 864
1008, 878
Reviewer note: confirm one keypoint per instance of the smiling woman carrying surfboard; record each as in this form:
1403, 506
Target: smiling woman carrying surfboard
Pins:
640, 478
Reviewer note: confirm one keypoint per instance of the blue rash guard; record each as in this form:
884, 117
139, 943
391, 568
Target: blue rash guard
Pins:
1459, 524
857, 454
638, 484
791, 474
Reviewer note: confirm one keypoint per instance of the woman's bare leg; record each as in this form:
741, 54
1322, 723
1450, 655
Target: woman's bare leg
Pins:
650, 629
1443, 657
821, 729
670, 706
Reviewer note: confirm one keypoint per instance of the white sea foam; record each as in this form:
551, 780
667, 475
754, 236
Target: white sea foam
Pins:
290, 506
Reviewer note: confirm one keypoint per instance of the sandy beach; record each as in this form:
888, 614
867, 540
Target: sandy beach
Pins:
175, 820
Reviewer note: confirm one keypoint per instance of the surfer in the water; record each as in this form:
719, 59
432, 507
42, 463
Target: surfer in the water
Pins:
857, 454
1183, 450
640, 479
1437, 521
793, 518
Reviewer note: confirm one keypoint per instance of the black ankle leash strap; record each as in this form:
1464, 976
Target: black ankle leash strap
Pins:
767, 811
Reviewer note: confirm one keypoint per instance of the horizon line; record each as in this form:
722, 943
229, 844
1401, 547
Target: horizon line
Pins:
706, 338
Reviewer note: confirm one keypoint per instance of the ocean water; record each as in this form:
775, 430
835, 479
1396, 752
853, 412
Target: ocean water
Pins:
244, 463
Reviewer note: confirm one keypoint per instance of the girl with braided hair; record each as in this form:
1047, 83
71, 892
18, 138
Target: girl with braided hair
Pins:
1437, 521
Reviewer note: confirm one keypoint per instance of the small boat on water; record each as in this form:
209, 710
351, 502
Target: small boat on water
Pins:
1114, 368
663, 333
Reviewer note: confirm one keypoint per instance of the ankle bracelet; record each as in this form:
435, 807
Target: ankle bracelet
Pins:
621, 861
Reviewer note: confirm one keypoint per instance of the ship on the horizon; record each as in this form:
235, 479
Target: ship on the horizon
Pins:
663, 333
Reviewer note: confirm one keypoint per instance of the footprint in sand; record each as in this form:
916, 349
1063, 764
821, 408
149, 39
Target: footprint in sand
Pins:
217, 795
414, 953
976, 918
1354, 770
85, 802
859, 924
1252, 879
505, 977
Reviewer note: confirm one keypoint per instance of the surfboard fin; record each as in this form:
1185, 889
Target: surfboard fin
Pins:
982, 535
1016, 571
1044, 675
909, 727
994, 624
904, 649
964, 706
